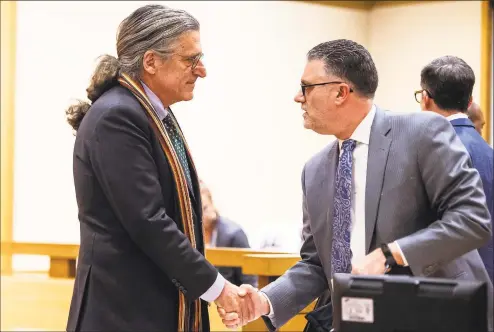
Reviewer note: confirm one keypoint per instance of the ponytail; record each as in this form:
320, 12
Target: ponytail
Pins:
105, 76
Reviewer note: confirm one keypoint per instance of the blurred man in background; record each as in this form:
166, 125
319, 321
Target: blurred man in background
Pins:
447, 84
222, 232
475, 115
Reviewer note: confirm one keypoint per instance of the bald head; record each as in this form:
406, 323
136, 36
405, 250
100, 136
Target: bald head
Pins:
475, 115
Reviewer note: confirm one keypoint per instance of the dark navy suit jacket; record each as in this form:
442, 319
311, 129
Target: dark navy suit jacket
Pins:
231, 235
481, 155
134, 259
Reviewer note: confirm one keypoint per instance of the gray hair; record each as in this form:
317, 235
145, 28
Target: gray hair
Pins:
151, 27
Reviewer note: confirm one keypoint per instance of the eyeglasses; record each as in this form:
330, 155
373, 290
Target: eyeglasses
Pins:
195, 60
304, 86
418, 95
199, 57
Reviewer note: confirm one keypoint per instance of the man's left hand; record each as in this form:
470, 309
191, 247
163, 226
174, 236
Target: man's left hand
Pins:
372, 264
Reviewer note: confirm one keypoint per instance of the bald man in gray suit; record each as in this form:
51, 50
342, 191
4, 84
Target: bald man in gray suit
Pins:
391, 180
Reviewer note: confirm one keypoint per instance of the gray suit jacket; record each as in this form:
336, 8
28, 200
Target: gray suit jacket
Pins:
421, 191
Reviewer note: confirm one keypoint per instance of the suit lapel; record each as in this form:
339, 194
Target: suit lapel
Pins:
320, 201
195, 189
379, 145
331, 168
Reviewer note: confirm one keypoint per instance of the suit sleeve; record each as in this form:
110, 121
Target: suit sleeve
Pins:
455, 191
301, 284
240, 241
121, 154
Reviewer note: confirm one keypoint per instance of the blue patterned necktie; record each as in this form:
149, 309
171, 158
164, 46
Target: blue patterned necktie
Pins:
178, 145
341, 254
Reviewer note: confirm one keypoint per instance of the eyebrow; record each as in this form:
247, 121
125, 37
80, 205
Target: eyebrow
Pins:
304, 82
194, 55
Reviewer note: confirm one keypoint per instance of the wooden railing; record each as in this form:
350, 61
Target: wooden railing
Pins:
62, 256
267, 265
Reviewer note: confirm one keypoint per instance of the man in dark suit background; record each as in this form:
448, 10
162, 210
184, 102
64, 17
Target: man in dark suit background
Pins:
222, 232
141, 265
447, 84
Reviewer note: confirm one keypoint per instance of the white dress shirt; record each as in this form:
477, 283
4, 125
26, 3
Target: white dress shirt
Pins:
457, 116
359, 179
215, 290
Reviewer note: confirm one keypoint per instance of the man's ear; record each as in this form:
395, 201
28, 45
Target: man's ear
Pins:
343, 93
149, 62
428, 101
470, 101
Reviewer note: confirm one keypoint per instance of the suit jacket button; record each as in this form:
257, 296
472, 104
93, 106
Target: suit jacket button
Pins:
174, 281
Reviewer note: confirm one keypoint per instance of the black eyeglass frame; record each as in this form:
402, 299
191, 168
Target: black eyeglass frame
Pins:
304, 86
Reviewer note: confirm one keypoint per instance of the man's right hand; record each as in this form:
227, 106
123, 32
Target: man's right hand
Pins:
254, 303
233, 307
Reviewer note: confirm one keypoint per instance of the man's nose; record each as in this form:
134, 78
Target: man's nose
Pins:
299, 97
200, 69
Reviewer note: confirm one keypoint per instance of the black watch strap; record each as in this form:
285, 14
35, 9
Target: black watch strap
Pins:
390, 260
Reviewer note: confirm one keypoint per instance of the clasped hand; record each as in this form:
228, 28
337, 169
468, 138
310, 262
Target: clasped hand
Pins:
240, 305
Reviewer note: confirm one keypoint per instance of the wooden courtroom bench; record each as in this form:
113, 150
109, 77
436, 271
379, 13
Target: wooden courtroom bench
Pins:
52, 292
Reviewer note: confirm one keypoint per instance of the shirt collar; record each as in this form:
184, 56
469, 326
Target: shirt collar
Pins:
457, 116
363, 130
155, 101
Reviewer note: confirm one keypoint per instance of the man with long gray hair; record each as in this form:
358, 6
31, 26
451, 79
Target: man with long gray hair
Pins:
141, 265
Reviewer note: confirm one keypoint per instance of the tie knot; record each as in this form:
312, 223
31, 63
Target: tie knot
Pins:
348, 145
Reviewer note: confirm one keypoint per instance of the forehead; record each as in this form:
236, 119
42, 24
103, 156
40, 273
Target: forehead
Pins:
189, 43
314, 69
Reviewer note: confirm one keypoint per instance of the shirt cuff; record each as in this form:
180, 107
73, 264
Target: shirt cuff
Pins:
215, 290
405, 263
271, 311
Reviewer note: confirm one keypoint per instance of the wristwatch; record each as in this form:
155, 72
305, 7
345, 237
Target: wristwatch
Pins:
390, 260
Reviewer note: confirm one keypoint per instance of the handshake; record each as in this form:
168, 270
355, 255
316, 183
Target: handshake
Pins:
241, 305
